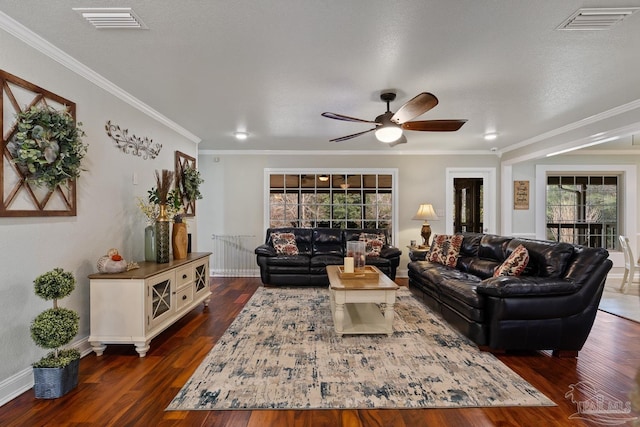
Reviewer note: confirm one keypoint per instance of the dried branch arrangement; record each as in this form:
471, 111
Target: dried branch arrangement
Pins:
164, 182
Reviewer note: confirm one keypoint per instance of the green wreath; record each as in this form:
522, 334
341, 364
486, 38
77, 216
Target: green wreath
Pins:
47, 147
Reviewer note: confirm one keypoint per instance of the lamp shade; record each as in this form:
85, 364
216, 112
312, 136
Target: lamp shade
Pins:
388, 134
426, 212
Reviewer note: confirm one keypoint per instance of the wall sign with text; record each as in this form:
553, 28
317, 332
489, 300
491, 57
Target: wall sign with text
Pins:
521, 195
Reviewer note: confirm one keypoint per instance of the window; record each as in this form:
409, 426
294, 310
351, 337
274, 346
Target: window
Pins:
583, 209
332, 199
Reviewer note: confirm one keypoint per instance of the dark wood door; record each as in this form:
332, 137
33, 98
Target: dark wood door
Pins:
468, 205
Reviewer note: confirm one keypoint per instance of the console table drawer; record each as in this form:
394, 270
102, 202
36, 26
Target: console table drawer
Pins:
184, 297
184, 276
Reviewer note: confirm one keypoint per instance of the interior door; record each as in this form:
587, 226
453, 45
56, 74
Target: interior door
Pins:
468, 205
487, 211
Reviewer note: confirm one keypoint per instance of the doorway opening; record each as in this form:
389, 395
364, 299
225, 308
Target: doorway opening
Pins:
468, 205
486, 198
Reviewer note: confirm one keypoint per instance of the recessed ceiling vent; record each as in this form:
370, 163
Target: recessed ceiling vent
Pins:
597, 18
112, 18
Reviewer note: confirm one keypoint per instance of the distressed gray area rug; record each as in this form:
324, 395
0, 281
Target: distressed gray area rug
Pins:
282, 352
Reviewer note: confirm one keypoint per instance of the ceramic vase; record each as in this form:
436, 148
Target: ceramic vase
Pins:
162, 236
150, 243
179, 240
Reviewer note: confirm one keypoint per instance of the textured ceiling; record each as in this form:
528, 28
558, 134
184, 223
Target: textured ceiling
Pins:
272, 67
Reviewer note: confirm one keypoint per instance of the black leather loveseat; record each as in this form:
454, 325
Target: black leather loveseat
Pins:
550, 306
317, 248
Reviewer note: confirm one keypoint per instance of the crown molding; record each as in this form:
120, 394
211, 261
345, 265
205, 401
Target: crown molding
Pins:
32, 39
346, 153
616, 111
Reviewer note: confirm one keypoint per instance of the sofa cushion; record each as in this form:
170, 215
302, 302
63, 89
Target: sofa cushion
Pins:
318, 264
289, 260
510, 286
470, 244
284, 243
493, 247
445, 249
515, 263
546, 259
483, 268
327, 241
303, 237
373, 243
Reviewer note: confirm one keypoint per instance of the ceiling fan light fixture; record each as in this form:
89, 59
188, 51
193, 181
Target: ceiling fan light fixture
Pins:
388, 134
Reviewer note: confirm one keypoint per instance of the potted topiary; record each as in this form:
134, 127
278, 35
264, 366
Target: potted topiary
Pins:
57, 373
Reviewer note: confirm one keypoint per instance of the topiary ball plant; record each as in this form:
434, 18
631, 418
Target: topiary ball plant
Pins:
56, 326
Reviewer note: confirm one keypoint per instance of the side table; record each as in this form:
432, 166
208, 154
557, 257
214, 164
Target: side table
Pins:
417, 253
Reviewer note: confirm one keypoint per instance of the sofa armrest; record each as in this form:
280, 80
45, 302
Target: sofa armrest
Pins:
390, 252
266, 250
521, 286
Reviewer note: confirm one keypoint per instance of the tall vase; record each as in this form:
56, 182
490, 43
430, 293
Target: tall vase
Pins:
162, 236
179, 240
150, 243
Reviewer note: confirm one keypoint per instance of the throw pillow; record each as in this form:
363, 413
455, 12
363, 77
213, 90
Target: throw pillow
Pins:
515, 263
445, 249
284, 243
373, 243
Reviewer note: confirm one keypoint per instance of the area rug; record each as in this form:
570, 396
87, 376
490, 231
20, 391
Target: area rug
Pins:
281, 352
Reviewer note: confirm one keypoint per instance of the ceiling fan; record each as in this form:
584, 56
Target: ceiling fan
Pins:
389, 126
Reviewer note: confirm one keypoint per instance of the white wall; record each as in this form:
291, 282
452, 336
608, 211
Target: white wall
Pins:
233, 199
107, 214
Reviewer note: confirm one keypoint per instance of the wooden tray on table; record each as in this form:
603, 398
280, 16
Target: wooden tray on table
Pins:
366, 273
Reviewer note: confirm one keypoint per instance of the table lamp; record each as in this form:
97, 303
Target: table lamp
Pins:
426, 213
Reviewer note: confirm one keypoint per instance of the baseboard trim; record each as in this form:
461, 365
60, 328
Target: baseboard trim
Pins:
17, 384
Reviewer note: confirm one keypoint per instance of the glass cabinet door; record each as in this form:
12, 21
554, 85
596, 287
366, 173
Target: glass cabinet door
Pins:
159, 293
201, 277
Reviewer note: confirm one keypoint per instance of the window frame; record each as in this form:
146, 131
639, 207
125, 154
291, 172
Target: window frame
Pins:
579, 225
627, 203
335, 171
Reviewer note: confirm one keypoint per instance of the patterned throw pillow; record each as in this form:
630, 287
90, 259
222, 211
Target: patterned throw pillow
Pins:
373, 243
445, 249
515, 263
284, 243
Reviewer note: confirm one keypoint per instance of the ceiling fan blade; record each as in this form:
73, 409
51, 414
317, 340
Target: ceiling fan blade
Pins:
401, 140
345, 118
344, 138
415, 107
434, 125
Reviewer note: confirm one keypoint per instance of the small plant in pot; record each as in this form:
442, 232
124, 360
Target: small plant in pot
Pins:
57, 373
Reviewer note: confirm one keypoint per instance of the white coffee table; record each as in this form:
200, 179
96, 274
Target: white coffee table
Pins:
362, 306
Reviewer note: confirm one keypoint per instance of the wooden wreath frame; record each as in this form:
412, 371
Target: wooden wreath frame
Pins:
19, 198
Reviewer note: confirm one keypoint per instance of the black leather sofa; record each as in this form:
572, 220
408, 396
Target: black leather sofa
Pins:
318, 247
551, 306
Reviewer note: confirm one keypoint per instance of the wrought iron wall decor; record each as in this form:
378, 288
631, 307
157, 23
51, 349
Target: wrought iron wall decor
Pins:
183, 161
18, 197
141, 147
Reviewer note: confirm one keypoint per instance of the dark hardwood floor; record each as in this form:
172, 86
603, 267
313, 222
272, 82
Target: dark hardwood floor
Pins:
122, 389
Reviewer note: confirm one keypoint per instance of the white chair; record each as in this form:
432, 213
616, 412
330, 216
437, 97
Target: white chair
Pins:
630, 264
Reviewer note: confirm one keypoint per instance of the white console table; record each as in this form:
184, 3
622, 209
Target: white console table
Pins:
135, 306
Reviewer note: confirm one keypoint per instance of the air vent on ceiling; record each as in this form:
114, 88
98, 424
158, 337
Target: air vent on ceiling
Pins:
597, 18
112, 18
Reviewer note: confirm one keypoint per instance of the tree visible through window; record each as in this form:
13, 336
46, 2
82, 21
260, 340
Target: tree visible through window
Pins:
331, 200
583, 210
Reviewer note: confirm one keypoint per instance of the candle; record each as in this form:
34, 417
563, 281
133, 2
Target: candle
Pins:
348, 264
